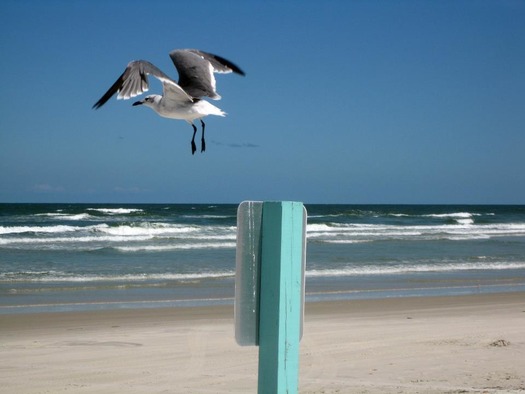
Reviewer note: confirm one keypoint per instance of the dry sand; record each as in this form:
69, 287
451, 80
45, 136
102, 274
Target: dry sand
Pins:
405, 345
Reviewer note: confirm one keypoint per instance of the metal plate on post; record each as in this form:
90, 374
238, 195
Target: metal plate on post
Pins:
248, 260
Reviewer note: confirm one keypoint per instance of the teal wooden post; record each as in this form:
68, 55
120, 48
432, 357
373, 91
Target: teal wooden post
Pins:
281, 290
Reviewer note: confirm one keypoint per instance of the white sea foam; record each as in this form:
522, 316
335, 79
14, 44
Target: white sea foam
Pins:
149, 229
399, 269
37, 229
465, 221
409, 268
80, 216
181, 246
207, 216
466, 229
116, 211
70, 240
346, 241
67, 216
335, 215
336, 233
451, 215
319, 227
161, 230
101, 235
59, 276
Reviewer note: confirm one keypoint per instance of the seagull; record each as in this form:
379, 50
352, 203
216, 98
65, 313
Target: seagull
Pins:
182, 100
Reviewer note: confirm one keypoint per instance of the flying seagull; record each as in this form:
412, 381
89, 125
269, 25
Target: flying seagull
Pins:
182, 100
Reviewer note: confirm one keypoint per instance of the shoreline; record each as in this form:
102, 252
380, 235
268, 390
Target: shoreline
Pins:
312, 308
469, 343
317, 294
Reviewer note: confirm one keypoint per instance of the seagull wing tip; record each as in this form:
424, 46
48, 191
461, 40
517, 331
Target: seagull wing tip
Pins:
97, 105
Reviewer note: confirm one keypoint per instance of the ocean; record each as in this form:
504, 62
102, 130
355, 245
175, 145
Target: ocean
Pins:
67, 257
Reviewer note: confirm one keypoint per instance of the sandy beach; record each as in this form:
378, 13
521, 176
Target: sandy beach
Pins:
404, 345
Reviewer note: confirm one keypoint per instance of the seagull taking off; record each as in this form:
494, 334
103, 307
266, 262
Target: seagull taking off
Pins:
180, 100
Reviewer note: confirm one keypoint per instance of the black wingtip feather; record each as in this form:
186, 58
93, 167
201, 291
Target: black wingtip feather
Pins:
111, 91
230, 65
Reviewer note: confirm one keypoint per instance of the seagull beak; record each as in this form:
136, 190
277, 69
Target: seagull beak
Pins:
138, 103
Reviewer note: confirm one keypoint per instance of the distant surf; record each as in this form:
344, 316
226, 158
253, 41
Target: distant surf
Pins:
87, 254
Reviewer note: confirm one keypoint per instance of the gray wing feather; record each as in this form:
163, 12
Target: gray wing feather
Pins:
196, 70
134, 81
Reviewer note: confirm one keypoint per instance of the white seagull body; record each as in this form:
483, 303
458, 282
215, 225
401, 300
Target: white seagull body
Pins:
180, 100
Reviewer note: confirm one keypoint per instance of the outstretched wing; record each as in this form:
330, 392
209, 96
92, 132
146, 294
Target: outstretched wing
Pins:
134, 81
196, 70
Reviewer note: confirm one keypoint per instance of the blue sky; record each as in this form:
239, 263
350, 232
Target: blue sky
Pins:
343, 102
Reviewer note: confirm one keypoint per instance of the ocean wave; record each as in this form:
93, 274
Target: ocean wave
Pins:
459, 217
99, 236
60, 215
68, 216
69, 240
379, 213
166, 231
122, 245
371, 232
149, 229
208, 216
335, 233
450, 215
329, 233
334, 215
180, 246
347, 241
145, 228
465, 221
412, 268
329, 227
38, 229
116, 211
59, 276
367, 270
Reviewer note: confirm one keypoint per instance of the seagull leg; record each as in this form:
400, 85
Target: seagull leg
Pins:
193, 146
203, 143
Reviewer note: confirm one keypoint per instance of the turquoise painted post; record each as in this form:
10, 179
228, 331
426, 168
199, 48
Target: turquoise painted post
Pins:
280, 297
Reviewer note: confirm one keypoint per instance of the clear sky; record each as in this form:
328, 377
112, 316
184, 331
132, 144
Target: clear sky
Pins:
343, 102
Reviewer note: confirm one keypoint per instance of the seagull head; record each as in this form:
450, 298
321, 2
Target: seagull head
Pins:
149, 101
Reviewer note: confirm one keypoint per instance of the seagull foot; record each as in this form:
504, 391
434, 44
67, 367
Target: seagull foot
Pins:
193, 147
203, 145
